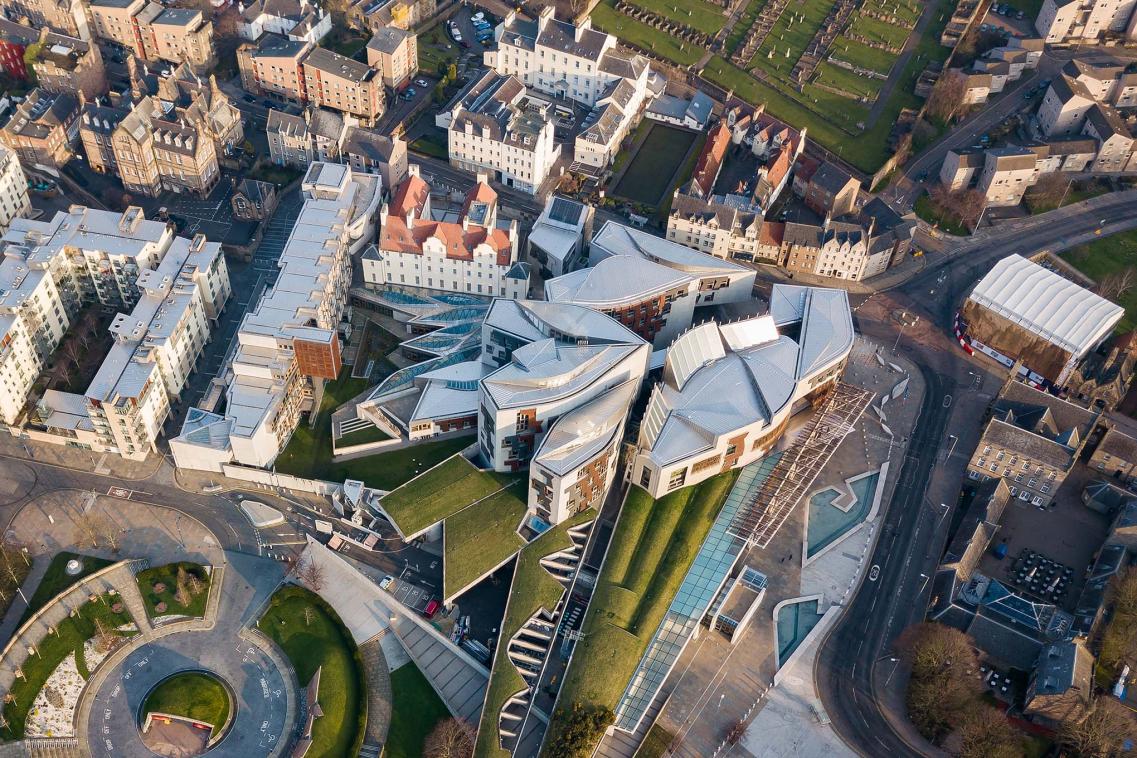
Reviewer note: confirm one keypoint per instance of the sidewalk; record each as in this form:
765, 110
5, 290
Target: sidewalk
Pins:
102, 464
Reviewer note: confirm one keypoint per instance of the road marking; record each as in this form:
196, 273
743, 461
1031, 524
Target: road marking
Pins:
947, 401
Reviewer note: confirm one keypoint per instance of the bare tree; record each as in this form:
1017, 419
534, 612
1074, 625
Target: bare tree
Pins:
1101, 734
105, 638
85, 524
105, 529
309, 615
311, 574
74, 352
452, 738
986, 733
943, 688
1047, 192
182, 593
946, 98
1117, 284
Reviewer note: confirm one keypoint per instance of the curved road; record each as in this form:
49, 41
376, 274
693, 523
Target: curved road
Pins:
849, 672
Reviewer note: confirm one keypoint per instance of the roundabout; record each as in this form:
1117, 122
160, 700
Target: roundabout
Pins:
226, 673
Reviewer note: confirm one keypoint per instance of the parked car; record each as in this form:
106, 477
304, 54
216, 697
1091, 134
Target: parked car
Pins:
249, 99
387, 582
422, 82
268, 103
411, 92
431, 609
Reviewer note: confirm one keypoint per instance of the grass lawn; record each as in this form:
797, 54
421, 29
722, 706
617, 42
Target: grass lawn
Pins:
361, 436
790, 33
56, 579
655, 164
440, 493
742, 26
607, 19
323, 644
860, 54
533, 588
436, 51
482, 537
168, 575
927, 209
433, 143
1100, 258
843, 79
651, 550
1079, 191
415, 710
656, 742
697, 14
71, 634
345, 43
193, 695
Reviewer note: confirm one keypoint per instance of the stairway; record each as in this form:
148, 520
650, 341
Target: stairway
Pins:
562, 564
54, 747
620, 744
124, 581
527, 651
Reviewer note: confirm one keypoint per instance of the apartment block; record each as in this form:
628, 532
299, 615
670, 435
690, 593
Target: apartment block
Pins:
494, 125
369, 15
42, 129
334, 81
368, 152
153, 32
169, 138
288, 344
836, 249
14, 201
1082, 21
472, 254
393, 52
960, 167
68, 64
1064, 107
1115, 456
721, 226
174, 288
274, 66
1006, 175
65, 16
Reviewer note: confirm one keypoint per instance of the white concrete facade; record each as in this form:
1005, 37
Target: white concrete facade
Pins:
14, 201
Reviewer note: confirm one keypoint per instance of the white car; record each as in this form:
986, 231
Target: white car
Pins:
387, 582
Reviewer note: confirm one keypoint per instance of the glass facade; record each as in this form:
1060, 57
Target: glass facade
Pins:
710, 569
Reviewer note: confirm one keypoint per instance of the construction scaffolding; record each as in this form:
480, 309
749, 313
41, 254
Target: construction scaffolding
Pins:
759, 519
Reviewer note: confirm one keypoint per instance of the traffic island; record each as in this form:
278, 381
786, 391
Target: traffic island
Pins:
186, 714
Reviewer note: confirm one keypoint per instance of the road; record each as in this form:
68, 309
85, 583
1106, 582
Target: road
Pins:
854, 669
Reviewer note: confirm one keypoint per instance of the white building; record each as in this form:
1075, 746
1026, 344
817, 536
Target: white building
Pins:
728, 390
298, 20
176, 287
472, 254
495, 125
289, 344
14, 201
541, 378
558, 235
1082, 21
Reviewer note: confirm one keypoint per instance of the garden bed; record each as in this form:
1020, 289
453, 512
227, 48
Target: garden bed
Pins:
175, 589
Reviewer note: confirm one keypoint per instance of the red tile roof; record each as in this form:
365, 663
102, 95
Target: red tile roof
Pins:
710, 160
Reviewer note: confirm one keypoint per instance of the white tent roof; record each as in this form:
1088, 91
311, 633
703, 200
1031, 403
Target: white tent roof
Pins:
1049, 305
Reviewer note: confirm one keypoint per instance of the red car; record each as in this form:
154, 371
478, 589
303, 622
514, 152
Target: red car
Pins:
431, 609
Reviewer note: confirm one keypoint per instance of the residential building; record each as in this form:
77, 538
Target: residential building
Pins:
472, 254
369, 15
274, 66
1081, 21
1007, 172
563, 60
977, 86
725, 226
1100, 76
64, 16
68, 64
559, 235
693, 430
369, 152
298, 20
960, 168
836, 249
541, 382
175, 289
606, 126
1031, 440
980, 523
288, 344
253, 200
170, 138
1064, 107
494, 125
42, 129
1061, 685
14, 40
393, 52
1114, 138
1115, 456
710, 161
776, 145
694, 113
1068, 154
153, 32
830, 190
14, 201
334, 81
289, 140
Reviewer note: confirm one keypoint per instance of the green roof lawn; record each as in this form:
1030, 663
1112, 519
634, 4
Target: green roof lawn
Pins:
652, 549
439, 493
481, 538
533, 588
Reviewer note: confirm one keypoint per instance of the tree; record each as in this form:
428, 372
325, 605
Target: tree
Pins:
1101, 734
311, 574
579, 729
86, 526
1117, 284
309, 615
943, 688
986, 733
946, 98
452, 738
182, 593
74, 352
1047, 192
